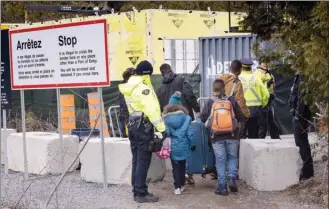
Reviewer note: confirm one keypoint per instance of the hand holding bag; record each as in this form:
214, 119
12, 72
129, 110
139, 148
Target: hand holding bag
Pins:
165, 151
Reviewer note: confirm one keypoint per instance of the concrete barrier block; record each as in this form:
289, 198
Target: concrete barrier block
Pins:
168, 165
43, 152
118, 161
4, 135
269, 165
312, 139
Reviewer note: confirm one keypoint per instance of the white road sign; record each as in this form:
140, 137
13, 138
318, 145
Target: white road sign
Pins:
60, 56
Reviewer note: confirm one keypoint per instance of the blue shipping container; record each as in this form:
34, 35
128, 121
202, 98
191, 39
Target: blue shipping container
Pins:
216, 54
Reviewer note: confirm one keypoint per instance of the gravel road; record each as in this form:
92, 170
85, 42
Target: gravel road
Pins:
77, 194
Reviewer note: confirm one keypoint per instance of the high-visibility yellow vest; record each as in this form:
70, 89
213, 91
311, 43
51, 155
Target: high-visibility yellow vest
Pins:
265, 76
255, 92
141, 98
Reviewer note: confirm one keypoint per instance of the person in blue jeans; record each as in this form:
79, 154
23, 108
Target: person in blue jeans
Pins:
178, 127
225, 146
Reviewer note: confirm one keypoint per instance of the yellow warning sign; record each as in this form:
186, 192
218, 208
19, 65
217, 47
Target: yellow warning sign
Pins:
178, 23
133, 22
128, 53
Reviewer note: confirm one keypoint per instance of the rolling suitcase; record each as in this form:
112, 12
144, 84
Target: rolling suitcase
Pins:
202, 160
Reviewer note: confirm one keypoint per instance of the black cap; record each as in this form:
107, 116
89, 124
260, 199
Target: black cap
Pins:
246, 62
144, 68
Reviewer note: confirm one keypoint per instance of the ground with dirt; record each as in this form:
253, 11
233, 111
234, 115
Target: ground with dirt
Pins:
314, 190
77, 194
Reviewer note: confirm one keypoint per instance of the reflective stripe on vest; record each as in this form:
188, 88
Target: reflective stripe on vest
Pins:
157, 122
136, 114
248, 86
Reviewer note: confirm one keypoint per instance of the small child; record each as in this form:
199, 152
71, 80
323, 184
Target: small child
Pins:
178, 127
225, 145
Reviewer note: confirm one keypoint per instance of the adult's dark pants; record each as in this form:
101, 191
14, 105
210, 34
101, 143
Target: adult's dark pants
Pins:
300, 127
140, 137
251, 128
178, 172
268, 123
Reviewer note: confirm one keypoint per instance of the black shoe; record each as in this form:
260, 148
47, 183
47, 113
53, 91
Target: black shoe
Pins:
221, 190
147, 198
232, 185
305, 177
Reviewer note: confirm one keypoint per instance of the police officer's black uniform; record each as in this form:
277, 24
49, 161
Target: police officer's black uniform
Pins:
301, 116
267, 118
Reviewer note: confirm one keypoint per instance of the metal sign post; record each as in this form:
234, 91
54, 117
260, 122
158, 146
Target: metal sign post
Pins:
5, 95
0, 133
100, 94
60, 132
5, 154
26, 172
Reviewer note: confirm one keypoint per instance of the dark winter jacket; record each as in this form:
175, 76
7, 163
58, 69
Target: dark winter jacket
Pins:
123, 113
178, 128
206, 111
174, 83
296, 105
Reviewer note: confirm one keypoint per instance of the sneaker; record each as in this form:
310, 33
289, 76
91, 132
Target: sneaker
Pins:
178, 191
189, 179
221, 190
232, 185
147, 198
182, 189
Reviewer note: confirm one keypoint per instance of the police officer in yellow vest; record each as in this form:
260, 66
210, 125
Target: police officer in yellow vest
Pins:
256, 95
144, 115
267, 118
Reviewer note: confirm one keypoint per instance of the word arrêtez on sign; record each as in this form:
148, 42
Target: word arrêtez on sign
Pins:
31, 44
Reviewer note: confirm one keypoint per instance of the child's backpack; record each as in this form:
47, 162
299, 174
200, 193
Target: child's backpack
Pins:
222, 118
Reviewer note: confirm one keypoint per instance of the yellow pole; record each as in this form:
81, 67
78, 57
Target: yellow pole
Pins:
26, 16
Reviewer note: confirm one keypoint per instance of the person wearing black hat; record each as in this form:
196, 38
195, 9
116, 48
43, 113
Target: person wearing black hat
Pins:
256, 95
144, 115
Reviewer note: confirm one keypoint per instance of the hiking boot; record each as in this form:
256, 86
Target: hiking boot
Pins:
147, 198
221, 190
232, 185
189, 179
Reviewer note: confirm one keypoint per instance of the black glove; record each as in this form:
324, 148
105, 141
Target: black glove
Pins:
193, 147
164, 135
155, 145
272, 97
